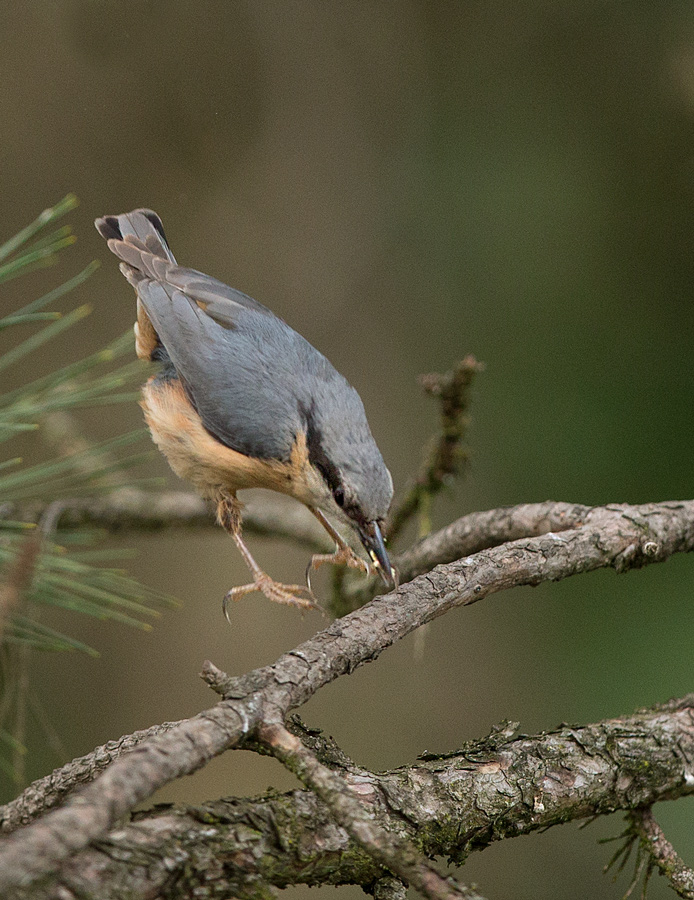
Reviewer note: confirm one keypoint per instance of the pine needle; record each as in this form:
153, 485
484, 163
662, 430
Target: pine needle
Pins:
47, 217
36, 340
35, 305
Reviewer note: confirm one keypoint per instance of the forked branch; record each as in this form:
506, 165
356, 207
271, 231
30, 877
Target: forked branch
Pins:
621, 537
394, 852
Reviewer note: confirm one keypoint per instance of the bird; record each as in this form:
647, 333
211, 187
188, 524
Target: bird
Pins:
241, 400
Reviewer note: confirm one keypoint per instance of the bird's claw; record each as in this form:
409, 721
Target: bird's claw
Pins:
289, 594
343, 556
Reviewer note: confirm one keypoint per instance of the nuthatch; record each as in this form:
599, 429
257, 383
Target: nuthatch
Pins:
241, 400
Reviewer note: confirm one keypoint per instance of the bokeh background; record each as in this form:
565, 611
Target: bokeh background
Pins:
405, 183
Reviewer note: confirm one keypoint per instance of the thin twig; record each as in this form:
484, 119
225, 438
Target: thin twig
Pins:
62, 430
20, 576
660, 851
445, 456
481, 530
16, 657
132, 509
470, 534
13, 593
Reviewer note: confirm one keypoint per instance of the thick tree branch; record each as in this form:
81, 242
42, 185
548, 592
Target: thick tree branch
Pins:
616, 536
450, 805
387, 848
48, 792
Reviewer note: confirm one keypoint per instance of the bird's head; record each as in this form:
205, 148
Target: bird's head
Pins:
351, 480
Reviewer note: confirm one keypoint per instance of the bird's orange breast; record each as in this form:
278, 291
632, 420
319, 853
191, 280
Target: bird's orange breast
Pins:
146, 339
212, 467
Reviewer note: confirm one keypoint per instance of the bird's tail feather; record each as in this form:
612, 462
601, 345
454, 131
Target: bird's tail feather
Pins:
140, 228
138, 240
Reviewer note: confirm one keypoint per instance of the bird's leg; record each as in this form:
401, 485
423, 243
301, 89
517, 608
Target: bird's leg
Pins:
343, 555
229, 517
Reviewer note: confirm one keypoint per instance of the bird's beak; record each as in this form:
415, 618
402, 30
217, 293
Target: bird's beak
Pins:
372, 539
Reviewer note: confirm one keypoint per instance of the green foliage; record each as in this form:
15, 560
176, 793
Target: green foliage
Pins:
62, 574
38, 568
42, 252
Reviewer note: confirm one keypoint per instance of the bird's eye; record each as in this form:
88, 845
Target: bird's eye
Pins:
339, 496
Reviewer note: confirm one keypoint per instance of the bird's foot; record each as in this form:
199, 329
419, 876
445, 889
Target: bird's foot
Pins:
343, 556
290, 594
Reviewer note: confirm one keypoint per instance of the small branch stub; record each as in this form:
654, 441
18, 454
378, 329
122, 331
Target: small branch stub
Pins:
446, 457
659, 852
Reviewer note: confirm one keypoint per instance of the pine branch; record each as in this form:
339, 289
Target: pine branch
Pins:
497, 788
620, 537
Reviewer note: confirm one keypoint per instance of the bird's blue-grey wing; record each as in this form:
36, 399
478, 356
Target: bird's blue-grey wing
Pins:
238, 361
235, 365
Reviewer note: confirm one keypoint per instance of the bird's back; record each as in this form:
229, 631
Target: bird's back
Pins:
252, 379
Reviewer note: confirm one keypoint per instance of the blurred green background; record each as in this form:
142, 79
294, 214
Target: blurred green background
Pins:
404, 183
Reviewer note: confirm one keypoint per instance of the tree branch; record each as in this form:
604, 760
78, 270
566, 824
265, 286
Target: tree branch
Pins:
661, 853
497, 788
470, 534
445, 456
617, 536
481, 530
45, 793
388, 849
131, 509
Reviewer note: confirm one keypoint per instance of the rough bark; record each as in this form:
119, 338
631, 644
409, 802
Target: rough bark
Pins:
621, 537
45, 793
489, 790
